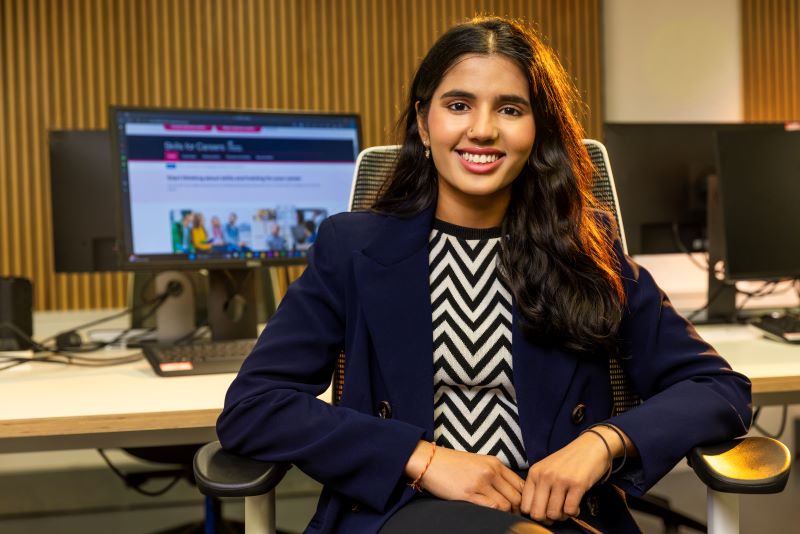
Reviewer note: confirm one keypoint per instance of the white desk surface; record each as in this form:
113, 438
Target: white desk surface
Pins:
772, 366
41, 400
48, 406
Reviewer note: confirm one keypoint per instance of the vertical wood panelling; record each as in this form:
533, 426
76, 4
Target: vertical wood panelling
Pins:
63, 62
770, 60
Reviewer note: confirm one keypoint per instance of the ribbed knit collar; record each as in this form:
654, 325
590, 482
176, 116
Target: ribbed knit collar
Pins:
462, 232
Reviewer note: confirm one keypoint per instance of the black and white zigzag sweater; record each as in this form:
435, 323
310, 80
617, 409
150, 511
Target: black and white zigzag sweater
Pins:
475, 404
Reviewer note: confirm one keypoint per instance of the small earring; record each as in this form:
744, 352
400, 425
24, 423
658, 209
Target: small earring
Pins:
427, 153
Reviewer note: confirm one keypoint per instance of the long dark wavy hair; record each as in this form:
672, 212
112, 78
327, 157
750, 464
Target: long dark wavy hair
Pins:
558, 261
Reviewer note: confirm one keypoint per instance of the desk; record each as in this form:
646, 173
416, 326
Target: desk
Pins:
773, 367
57, 407
52, 407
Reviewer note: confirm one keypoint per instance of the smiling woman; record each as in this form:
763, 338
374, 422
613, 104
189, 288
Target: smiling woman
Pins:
480, 129
478, 304
493, 88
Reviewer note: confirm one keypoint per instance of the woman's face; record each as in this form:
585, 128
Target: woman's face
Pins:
480, 130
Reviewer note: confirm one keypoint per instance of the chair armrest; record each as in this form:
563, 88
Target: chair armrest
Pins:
223, 474
743, 465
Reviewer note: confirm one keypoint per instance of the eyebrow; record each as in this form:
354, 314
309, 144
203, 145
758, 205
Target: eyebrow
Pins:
510, 99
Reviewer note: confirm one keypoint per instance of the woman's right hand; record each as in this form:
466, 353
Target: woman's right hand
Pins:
464, 476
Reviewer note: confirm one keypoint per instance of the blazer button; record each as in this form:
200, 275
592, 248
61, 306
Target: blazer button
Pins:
384, 410
578, 413
592, 505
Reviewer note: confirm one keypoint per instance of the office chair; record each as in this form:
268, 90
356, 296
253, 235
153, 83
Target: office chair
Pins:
743, 465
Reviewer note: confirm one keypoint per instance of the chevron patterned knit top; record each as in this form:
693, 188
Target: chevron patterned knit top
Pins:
475, 403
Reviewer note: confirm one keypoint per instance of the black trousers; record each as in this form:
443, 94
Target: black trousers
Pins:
429, 515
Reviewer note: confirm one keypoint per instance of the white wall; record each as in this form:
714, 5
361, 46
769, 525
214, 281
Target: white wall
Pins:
672, 61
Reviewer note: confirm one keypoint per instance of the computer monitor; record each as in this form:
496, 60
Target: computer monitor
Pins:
226, 191
759, 173
84, 217
81, 188
661, 172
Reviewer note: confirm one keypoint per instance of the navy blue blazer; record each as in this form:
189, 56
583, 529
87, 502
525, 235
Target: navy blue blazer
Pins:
366, 290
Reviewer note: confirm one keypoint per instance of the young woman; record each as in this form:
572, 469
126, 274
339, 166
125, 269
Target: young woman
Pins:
478, 304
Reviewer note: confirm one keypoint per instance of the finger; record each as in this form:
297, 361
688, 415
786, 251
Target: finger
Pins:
555, 504
541, 497
526, 503
511, 493
514, 479
498, 498
482, 500
572, 502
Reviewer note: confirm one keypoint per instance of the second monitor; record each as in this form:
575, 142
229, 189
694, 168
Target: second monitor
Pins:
227, 191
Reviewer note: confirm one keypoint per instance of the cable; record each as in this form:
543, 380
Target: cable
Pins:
174, 288
99, 321
769, 287
676, 236
784, 411
71, 359
236, 287
138, 487
191, 336
9, 366
708, 303
76, 357
760, 292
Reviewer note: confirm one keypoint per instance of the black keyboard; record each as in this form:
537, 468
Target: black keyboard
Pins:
781, 327
198, 358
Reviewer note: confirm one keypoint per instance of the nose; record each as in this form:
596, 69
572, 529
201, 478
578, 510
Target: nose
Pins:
482, 127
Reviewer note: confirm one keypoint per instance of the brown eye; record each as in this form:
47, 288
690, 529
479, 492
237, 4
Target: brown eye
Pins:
508, 110
458, 106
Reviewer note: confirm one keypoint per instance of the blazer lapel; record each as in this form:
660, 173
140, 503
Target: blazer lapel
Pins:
392, 274
542, 375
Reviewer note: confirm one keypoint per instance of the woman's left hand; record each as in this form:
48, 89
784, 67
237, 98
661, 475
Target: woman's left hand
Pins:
556, 484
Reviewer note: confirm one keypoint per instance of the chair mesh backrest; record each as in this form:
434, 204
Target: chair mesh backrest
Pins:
605, 194
374, 166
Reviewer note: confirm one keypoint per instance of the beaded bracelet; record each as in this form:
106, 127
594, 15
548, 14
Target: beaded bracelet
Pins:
608, 449
417, 483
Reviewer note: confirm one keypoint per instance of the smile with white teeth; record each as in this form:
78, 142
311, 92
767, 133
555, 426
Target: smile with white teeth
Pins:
479, 158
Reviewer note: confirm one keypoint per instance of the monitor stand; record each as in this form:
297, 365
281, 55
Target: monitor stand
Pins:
232, 304
175, 317
208, 291
721, 303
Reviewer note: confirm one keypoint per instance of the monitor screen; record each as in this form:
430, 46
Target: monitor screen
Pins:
660, 172
760, 187
202, 188
83, 214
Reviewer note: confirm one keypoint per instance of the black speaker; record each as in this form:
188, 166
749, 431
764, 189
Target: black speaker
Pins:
16, 308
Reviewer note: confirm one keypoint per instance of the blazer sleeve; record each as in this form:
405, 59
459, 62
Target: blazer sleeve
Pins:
690, 394
271, 411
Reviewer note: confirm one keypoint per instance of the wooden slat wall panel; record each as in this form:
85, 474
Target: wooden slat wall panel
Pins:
63, 62
771, 59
